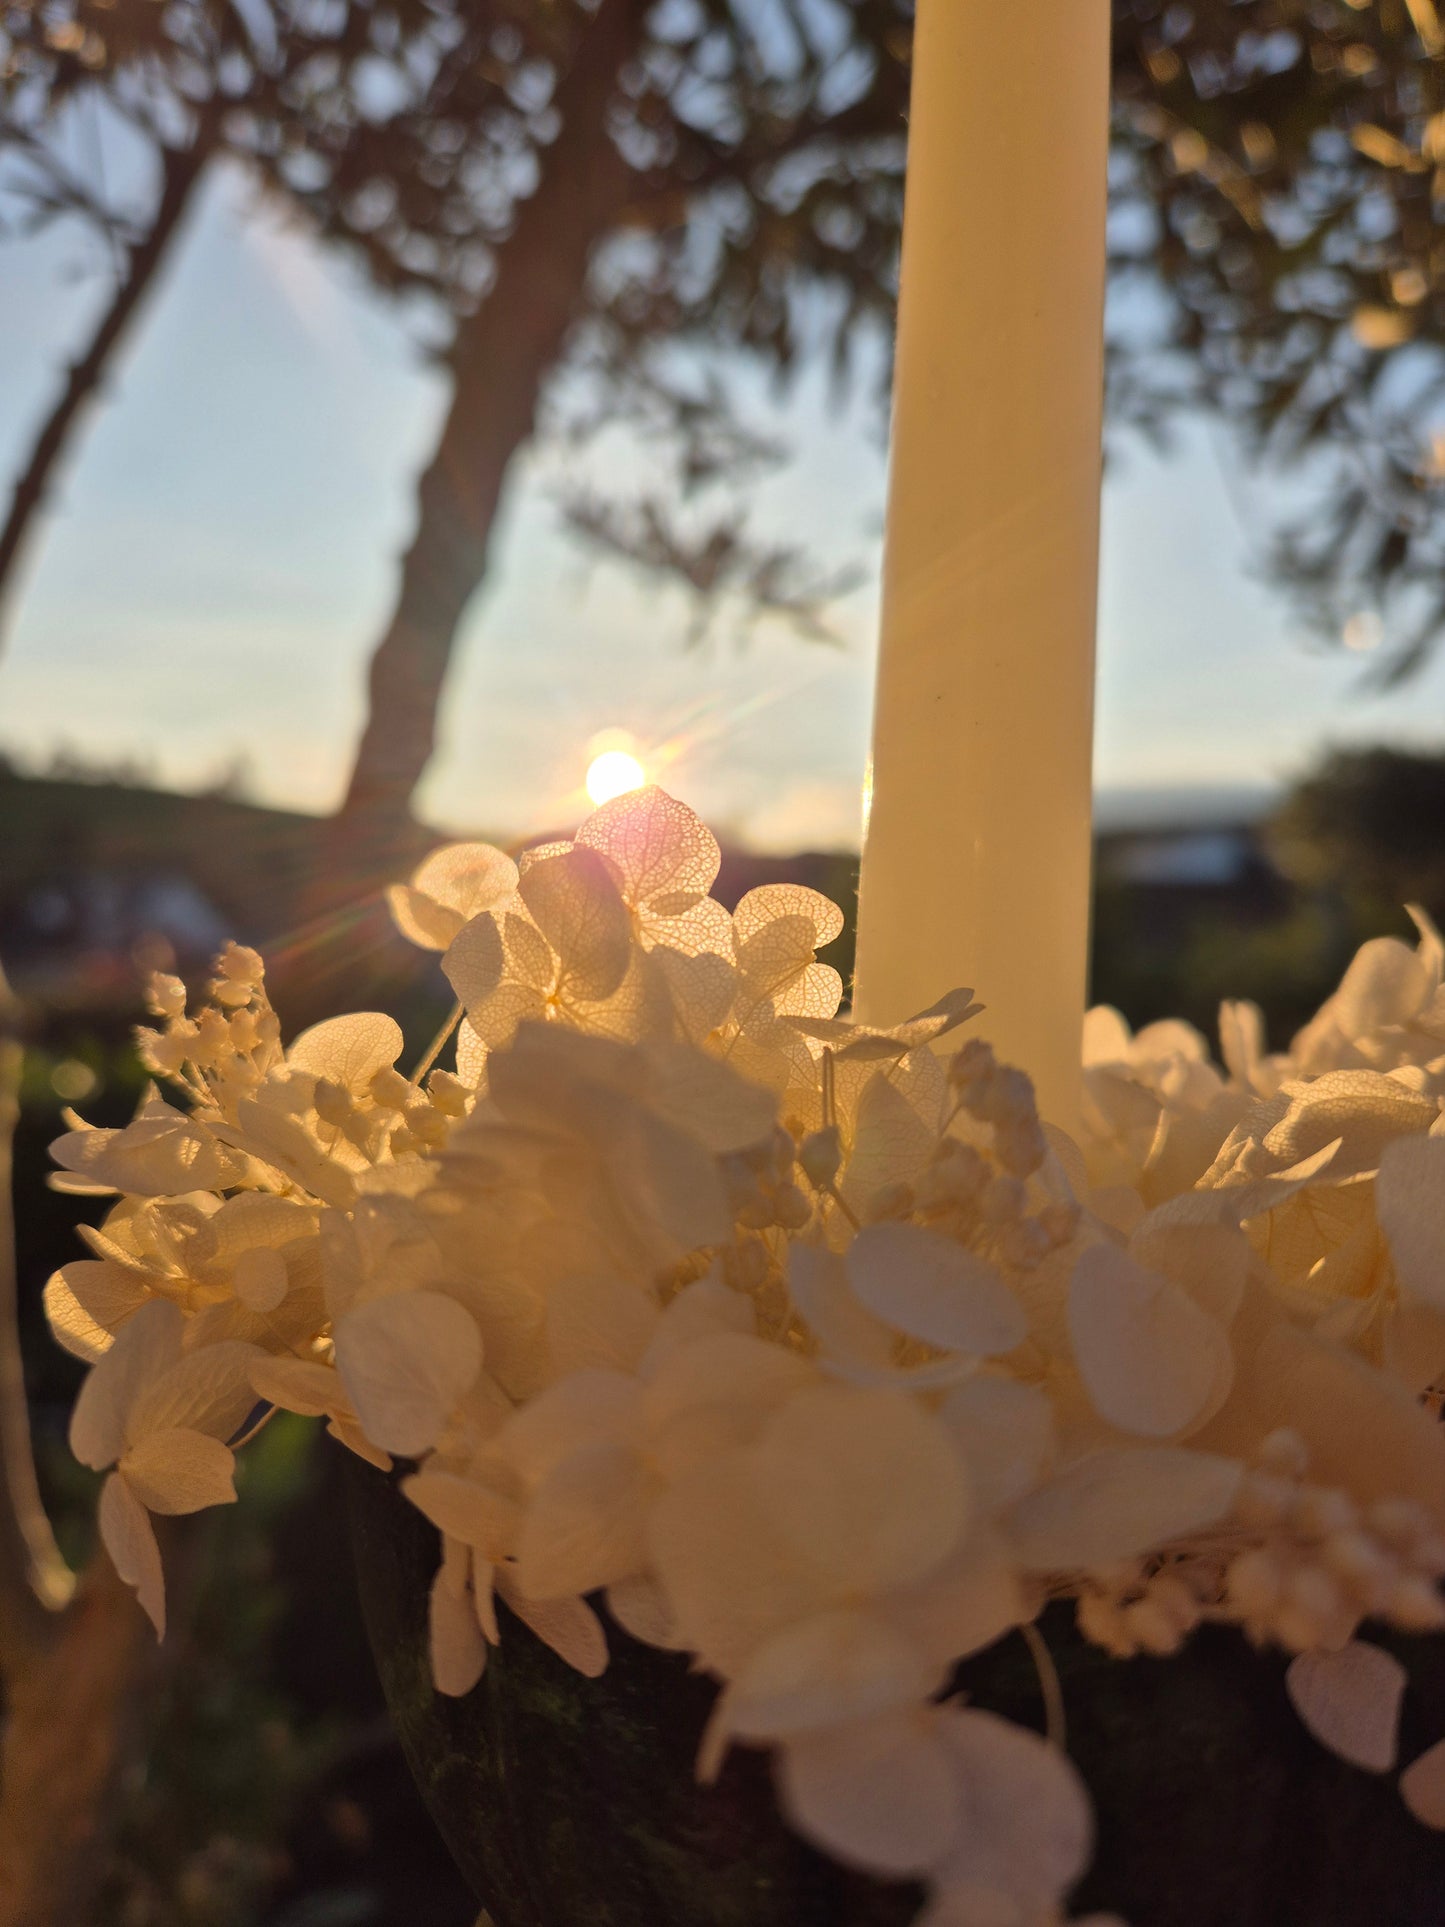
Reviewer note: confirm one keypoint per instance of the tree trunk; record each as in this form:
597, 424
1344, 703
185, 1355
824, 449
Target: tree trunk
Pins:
181, 170
71, 1722
71, 1676
499, 362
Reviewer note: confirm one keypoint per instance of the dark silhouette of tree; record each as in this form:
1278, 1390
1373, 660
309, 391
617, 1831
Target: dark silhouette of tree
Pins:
1366, 825
189, 81
1275, 255
595, 189
1279, 238
603, 200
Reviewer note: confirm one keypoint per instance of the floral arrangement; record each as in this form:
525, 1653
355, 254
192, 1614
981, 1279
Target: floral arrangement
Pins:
806, 1344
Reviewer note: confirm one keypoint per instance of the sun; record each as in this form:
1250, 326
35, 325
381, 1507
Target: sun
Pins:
613, 773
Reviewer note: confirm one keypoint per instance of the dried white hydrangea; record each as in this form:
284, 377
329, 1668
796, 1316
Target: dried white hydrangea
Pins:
808, 1346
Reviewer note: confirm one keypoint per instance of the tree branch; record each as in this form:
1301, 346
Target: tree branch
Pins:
182, 169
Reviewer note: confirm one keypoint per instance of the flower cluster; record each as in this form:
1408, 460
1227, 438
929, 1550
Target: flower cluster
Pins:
805, 1348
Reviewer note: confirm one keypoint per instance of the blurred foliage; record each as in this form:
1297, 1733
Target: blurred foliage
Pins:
1278, 221
1350, 845
1368, 825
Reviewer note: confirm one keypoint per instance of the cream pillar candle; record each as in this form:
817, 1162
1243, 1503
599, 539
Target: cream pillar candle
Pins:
977, 833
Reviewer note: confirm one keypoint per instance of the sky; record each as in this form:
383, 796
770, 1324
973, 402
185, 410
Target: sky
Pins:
223, 550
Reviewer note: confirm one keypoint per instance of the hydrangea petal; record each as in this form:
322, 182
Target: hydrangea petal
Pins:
1119, 1503
585, 1525
297, 1385
770, 903
457, 1646
818, 1285
729, 1579
1026, 1825
879, 1795
144, 1347
207, 1390
179, 1470
129, 1537
935, 1289
348, 1050
405, 1361
658, 845
1410, 1199
1422, 1787
1005, 1433
834, 1668
576, 906
568, 1626
1151, 1359
474, 1514
1350, 1700
474, 962
86, 1302
864, 1484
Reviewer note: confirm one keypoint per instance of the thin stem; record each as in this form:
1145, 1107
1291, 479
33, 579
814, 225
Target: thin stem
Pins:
842, 1203
437, 1045
1055, 1726
34, 1579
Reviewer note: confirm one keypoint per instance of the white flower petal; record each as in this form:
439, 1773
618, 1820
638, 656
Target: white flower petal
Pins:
348, 1050
568, 1626
826, 1671
129, 1537
450, 886
576, 906
1151, 1359
659, 846
935, 1289
163, 1153
879, 1795
847, 1331
1410, 1199
143, 1348
1209, 1261
585, 1408
1004, 1432
458, 1647
1026, 1825
180, 1471
639, 1605
466, 1511
208, 1390
596, 1319
297, 1385
747, 1374
405, 1360
1119, 1503
474, 963
729, 1580
585, 1526
1350, 1700
864, 1484
259, 1279
771, 902
1422, 1787
74, 1321
1386, 983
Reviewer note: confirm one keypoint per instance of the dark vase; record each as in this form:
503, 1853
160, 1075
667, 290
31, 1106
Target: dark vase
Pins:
570, 1802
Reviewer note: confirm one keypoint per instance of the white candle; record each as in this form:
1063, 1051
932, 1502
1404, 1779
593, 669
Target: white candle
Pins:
977, 834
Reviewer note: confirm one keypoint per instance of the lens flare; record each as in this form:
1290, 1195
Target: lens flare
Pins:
613, 773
